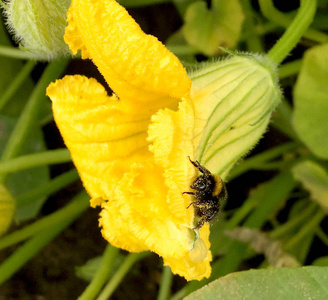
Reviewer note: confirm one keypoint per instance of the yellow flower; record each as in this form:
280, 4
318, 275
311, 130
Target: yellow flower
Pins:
131, 149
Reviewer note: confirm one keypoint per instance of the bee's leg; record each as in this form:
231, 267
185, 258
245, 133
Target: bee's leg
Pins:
200, 167
206, 217
196, 203
200, 223
189, 193
191, 203
195, 163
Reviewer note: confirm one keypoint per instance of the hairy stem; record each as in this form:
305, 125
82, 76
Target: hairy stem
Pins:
294, 31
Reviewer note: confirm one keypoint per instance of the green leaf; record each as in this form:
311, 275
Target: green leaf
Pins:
321, 261
314, 178
207, 29
26, 180
280, 283
311, 101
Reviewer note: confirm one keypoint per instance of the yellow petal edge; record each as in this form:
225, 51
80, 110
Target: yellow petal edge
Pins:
132, 62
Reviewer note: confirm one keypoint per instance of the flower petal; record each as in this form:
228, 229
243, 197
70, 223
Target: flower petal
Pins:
132, 151
171, 135
140, 193
138, 218
99, 131
196, 264
132, 62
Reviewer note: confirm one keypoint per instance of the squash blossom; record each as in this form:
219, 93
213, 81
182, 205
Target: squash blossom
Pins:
131, 148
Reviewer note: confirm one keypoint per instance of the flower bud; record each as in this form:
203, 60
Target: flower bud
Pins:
39, 26
7, 209
233, 100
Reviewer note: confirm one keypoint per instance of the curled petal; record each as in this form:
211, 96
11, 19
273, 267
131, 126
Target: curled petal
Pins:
132, 62
171, 136
103, 137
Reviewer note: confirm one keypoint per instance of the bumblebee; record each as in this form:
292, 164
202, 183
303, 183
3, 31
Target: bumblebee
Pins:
209, 192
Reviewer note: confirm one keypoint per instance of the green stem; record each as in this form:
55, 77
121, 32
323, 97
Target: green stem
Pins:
307, 229
48, 188
290, 68
102, 273
130, 260
285, 183
294, 222
277, 17
275, 165
13, 52
281, 119
21, 256
29, 250
69, 212
30, 112
166, 283
294, 31
180, 294
13, 87
322, 236
257, 160
34, 160
240, 215
46, 120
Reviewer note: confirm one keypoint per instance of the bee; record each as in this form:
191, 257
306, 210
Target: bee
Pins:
210, 190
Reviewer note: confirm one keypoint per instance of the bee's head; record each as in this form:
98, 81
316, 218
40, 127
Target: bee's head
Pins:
203, 183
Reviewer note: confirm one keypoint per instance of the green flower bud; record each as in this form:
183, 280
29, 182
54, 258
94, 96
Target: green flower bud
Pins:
233, 102
7, 209
39, 26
